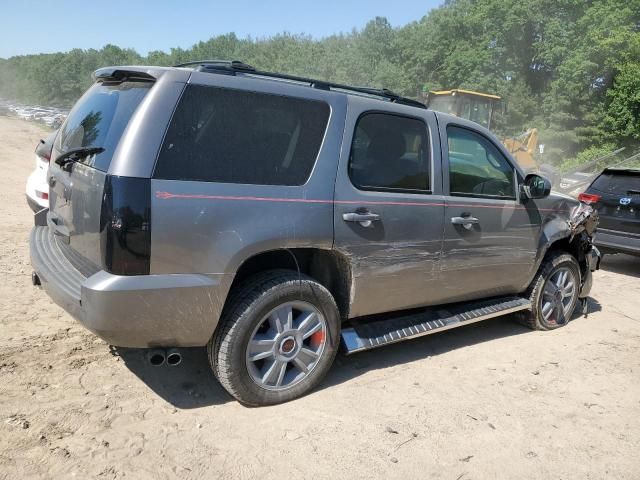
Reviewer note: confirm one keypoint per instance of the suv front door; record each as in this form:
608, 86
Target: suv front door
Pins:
389, 208
490, 238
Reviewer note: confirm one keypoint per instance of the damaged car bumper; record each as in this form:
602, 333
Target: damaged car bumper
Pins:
583, 224
592, 263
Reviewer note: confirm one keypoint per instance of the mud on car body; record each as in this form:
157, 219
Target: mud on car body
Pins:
273, 218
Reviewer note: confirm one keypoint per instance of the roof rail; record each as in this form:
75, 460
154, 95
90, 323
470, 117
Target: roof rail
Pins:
233, 66
228, 64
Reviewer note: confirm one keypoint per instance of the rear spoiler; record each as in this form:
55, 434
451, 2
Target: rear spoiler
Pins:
120, 74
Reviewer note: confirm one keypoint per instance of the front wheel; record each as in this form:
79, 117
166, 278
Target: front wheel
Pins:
277, 338
553, 293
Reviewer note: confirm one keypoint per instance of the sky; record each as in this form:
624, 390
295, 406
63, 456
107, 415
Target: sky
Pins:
44, 26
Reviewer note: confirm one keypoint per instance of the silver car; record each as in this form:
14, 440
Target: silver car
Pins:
273, 218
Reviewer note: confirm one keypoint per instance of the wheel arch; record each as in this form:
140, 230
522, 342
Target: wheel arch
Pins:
329, 267
555, 239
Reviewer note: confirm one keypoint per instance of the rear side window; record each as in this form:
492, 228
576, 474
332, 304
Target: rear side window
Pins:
619, 183
99, 118
234, 136
390, 153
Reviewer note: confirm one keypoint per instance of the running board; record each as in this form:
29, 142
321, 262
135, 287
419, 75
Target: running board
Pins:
363, 335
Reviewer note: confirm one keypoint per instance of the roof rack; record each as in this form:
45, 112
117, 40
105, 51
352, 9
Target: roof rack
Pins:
231, 67
234, 65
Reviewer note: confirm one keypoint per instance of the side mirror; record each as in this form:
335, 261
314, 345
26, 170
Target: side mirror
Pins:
535, 186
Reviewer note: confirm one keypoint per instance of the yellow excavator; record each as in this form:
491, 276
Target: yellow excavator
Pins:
480, 107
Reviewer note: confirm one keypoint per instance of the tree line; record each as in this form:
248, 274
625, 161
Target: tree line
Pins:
571, 68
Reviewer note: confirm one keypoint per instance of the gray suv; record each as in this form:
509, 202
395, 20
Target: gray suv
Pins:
272, 218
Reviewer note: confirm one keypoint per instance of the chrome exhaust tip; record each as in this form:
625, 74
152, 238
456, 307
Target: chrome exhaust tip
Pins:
174, 357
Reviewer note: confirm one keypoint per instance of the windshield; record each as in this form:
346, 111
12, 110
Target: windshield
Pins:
99, 118
444, 104
476, 110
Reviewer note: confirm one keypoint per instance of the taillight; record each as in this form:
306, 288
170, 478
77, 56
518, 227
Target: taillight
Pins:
42, 195
125, 225
589, 198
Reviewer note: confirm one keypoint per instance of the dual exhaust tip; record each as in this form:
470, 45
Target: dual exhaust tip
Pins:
158, 357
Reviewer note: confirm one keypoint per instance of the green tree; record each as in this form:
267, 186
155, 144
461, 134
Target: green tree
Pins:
567, 67
623, 110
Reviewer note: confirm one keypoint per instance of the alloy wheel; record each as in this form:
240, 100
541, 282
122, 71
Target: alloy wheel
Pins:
286, 345
558, 296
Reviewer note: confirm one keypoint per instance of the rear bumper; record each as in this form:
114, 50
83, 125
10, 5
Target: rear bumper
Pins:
618, 241
179, 310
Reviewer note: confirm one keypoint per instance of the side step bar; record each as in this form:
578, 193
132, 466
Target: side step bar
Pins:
365, 335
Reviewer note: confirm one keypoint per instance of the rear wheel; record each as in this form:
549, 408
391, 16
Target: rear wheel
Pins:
553, 293
277, 338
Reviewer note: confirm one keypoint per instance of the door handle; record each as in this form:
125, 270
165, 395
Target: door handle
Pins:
467, 222
364, 219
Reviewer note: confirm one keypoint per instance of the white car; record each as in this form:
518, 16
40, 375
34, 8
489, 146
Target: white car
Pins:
37, 184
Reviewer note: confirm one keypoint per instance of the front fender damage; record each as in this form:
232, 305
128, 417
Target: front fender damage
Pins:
582, 224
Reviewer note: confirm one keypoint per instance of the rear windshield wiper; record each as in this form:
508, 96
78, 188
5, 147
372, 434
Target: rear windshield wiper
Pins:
76, 154
633, 192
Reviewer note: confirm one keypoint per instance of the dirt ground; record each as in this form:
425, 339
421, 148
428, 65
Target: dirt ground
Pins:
490, 400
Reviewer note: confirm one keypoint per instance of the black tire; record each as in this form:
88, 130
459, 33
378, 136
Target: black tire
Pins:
553, 263
245, 311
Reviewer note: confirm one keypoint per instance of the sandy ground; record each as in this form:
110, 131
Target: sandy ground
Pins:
491, 400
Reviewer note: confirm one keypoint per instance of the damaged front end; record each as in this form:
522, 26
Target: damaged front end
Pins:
582, 224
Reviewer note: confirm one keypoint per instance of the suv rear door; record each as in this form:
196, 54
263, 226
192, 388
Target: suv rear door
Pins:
490, 239
388, 207
619, 204
98, 119
103, 198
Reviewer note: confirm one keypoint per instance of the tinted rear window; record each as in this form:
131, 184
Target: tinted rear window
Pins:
620, 183
233, 136
99, 118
